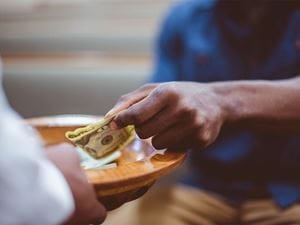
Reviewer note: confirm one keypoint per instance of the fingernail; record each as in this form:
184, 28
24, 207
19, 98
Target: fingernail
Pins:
110, 113
113, 125
114, 111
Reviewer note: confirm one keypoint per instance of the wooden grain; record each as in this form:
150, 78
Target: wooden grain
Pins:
129, 177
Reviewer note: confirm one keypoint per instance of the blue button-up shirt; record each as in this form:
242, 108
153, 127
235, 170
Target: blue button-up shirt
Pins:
193, 46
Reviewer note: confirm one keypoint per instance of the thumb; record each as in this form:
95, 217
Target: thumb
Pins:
125, 102
130, 99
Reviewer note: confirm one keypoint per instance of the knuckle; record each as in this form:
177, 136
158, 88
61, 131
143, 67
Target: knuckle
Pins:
168, 91
199, 122
204, 138
157, 93
188, 110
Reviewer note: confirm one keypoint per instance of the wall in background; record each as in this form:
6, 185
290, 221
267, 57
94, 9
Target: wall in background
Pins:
77, 56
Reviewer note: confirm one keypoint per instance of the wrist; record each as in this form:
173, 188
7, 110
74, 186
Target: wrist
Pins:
230, 99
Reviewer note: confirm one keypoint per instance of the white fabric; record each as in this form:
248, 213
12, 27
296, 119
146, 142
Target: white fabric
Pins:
32, 190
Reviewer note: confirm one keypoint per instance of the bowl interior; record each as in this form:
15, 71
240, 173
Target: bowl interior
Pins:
132, 171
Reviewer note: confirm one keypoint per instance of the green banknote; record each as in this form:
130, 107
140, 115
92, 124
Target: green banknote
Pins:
98, 139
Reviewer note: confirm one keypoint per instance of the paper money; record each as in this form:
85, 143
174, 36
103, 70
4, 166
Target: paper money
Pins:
106, 162
99, 139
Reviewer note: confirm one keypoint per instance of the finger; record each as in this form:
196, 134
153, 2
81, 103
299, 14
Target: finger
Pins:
178, 133
185, 144
124, 104
93, 213
142, 111
58, 153
130, 99
98, 213
159, 122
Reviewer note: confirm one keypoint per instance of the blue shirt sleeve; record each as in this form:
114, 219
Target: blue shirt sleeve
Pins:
168, 49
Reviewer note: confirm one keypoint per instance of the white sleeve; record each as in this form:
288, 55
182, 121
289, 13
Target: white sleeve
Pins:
32, 190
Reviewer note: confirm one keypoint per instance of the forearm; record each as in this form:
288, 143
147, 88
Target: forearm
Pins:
262, 104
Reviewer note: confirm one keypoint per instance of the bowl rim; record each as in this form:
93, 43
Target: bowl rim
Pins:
160, 167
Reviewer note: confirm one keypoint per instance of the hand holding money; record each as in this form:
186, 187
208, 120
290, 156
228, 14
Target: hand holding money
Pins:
178, 115
100, 142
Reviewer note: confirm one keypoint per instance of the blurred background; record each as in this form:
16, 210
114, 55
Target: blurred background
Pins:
76, 56
80, 56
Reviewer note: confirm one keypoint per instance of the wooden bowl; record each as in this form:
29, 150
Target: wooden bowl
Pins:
132, 175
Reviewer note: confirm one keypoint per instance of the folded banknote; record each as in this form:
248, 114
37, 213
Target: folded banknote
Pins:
98, 139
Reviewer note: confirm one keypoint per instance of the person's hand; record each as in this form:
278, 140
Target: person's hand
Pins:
178, 115
87, 208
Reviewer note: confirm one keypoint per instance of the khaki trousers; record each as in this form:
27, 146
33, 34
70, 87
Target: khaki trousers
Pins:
182, 205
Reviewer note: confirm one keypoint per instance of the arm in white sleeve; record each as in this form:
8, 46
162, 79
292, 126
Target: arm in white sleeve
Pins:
32, 189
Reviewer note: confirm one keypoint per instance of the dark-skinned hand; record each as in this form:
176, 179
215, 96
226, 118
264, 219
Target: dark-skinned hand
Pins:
178, 115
